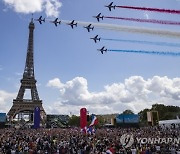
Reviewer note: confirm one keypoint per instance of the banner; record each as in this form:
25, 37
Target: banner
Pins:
37, 117
83, 118
149, 116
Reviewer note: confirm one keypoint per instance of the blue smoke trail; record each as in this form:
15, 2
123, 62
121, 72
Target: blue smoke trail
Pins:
145, 42
148, 52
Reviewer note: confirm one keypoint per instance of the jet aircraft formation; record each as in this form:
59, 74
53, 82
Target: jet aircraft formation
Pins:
110, 6
56, 22
89, 27
102, 50
95, 38
40, 20
72, 24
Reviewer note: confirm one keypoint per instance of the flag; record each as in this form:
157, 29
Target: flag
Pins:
91, 130
94, 120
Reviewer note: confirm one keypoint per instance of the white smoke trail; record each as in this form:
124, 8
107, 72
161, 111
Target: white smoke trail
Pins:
141, 30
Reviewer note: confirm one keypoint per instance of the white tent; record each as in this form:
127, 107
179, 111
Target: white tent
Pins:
170, 123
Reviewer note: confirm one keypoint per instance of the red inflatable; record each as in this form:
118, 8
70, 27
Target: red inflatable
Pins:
83, 118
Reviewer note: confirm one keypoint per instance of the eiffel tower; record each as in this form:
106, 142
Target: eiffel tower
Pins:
20, 105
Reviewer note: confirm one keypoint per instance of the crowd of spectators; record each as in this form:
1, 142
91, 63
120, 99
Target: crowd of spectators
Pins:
73, 141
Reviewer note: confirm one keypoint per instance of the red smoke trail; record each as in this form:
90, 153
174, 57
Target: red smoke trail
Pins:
146, 20
151, 9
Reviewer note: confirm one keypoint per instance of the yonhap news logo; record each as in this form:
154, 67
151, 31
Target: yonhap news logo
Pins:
127, 140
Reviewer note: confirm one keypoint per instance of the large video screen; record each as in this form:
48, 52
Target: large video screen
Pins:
57, 121
127, 118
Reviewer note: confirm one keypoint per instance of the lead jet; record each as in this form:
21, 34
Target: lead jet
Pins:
40, 20
110, 6
89, 27
102, 50
99, 17
72, 24
56, 22
95, 38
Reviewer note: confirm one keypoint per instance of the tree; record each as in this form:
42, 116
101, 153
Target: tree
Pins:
74, 121
143, 115
164, 112
128, 112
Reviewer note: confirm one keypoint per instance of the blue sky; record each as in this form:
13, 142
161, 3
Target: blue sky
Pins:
71, 73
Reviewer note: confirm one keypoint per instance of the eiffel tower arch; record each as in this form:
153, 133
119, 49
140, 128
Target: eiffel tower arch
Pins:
25, 107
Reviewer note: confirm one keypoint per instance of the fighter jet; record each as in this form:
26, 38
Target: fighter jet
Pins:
89, 27
56, 22
40, 20
110, 6
72, 24
102, 49
98, 17
95, 38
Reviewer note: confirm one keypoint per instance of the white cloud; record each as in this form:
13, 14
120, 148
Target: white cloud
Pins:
135, 93
55, 83
51, 7
6, 100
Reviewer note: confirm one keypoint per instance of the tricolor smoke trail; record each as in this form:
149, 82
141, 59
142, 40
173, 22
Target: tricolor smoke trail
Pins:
129, 29
144, 42
147, 52
146, 20
151, 9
